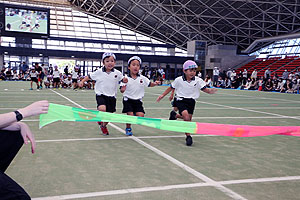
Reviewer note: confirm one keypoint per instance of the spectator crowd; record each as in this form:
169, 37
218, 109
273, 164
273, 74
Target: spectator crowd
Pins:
288, 82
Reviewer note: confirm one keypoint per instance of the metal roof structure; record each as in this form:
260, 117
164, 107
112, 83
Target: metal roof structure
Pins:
231, 22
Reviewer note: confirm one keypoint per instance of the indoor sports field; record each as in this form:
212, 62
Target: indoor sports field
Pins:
74, 161
16, 24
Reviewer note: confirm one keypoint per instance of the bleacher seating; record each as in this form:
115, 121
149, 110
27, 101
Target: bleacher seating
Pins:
276, 64
291, 66
251, 64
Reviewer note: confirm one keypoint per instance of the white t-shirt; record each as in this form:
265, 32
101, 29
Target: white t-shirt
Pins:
106, 83
55, 74
74, 75
186, 89
33, 74
135, 88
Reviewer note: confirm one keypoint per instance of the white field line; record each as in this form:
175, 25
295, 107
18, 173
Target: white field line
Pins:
163, 188
201, 176
249, 110
256, 97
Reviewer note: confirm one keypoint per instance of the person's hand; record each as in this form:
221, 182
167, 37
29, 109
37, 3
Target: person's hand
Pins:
125, 80
36, 108
213, 90
157, 82
27, 135
123, 88
159, 98
170, 97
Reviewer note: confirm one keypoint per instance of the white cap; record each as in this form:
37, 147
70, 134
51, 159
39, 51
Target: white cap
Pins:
108, 54
135, 58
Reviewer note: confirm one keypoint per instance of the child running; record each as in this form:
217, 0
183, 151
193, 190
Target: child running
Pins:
107, 80
134, 90
187, 91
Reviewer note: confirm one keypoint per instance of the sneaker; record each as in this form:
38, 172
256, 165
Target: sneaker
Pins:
172, 115
104, 130
30, 89
189, 140
128, 132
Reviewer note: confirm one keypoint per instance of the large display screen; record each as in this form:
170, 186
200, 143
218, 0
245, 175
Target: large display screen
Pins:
24, 20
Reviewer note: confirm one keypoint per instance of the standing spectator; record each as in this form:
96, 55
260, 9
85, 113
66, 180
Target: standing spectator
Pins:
245, 74
66, 70
228, 73
160, 70
13, 134
216, 74
297, 72
254, 74
267, 74
24, 67
285, 74
232, 75
50, 70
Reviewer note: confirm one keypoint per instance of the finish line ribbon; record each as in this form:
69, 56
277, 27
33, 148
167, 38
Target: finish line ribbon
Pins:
58, 112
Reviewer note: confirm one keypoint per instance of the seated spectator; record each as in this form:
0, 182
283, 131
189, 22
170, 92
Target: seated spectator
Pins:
227, 83
15, 75
268, 85
253, 84
8, 74
67, 82
221, 82
280, 85
208, 81
2, 74
289, 86
244, 83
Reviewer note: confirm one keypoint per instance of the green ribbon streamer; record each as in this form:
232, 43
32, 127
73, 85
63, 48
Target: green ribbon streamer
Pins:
58, 112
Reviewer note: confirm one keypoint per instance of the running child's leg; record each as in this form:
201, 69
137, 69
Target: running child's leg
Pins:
187, 117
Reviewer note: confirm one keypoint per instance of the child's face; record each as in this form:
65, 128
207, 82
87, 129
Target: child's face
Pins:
190, 73
134, 67
109, 63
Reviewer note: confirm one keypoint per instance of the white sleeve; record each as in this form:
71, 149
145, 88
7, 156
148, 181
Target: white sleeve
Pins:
146, 81
95, 75
201, 83
175, 83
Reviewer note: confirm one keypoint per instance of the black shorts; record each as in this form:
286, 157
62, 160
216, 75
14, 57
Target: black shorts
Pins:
74, 80
34, 79
185, 104
109, 102
42, 75
131, 105
56, 80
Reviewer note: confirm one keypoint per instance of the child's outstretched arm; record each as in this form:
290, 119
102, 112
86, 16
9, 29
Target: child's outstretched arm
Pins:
154, 83
210, 90
171, 95
164, 94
